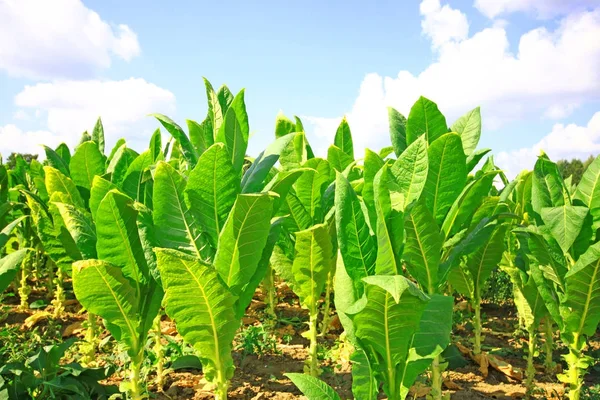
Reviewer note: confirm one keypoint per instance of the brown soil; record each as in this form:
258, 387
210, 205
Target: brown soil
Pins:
262, 377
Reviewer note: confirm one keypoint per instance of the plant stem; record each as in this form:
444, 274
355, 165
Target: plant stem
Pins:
574, 374
436, 379
222, 385
159, 352
530, 373
327, 310
269, 286
88, 349
24, 288
549, 346
135, 388
477, 324
312, 351
59, 294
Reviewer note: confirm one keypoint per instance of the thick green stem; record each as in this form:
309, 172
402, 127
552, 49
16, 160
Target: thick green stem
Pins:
159, 352
51, 277
530, 373
222, 385
313, 367
24, 289
549, 364
270, 295
327, 310
574, 372
477, 326
88, 348
436, 378
135, 389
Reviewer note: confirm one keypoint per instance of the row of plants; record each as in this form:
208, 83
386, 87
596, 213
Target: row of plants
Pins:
191, 227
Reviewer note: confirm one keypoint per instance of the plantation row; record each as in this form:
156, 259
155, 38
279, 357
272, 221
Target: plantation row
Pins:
196, 226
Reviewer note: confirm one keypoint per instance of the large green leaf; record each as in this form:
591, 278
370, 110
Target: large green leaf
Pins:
58, 182
372, 164
423, 247
119, 164
9, 266
312, 263
7, 230
583, 294
357, 245
201, 135
469, 128
310, 186
202, 308
283, 125
397, 131
242, 240
118, 241
295, 153
102, 289
547, 188
588, 190
282, 183
231, 135
98, 135
53, 159
313, 388
389, 211
364, 378
254, 177
82, 230
447, 175
343, 138
215, 112
239, 106
386, 322
411, 169
137, 174
211, 190
338, 159
225, 98
100, 187
482, 263
565, 223
86, 163
175, 130
425, 119
173, 219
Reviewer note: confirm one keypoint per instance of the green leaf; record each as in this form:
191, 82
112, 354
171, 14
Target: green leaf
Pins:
447, 175
63, 152
282, 184
358, 247
254, 177
242, 240
137, 173
565, 223
338, 159
7, 230
202, 308
364, 380
212, 189
423, 247
474, 158
411, 168
239, 106
175, 130
53, 159
343, 138
56, 182
311, 185
397, 131
119, 165
547, 185
118, 241
156, 146
372, 164
583, 293
98, 135
295, 153
225, 98
81, 228
588, 190
215, 112
231, 135
102, 289
482, 263
86, 163
425, 119
173, 219
201, 135
312, 263
9, 266
469, 128
116, 147
100, 187
313, 388
283, 125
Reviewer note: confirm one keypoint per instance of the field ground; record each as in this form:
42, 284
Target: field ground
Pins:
261, 376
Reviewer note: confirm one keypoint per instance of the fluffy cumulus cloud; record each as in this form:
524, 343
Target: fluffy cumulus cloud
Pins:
550, 74
443, 24
564, 142
540, 8
71, 107
14, 139
59, 39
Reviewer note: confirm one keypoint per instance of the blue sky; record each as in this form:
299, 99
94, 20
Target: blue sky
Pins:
532, 65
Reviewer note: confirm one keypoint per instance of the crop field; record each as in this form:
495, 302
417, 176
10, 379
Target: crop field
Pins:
194, 270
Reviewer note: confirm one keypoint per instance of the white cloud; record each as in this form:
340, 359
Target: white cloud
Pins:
443, 24
552, 73
72, 107
540, 8
21, 115
13, 139
564, 142
59, 39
